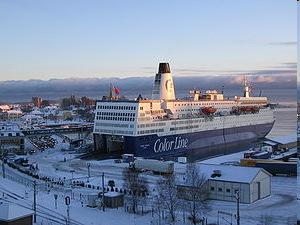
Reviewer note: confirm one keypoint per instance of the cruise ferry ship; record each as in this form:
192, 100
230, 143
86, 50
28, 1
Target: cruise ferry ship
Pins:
203, 125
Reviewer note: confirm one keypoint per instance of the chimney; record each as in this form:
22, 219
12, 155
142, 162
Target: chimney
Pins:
163, 87
164, 68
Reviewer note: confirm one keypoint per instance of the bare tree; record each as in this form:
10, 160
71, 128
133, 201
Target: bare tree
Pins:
136, 187
167, 195
196, 192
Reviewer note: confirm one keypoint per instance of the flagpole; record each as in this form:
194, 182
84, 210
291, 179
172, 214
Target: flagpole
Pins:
110, 91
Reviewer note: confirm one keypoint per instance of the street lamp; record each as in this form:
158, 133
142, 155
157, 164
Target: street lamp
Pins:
237, 196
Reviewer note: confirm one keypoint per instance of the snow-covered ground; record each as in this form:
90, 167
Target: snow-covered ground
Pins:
281, 207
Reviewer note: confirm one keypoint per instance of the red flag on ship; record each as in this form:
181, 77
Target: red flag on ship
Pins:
116, 90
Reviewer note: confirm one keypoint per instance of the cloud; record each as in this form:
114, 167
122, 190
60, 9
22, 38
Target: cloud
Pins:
285, 68
283, 43
254, 79
291, 65
237, 80
274, 72
264, 79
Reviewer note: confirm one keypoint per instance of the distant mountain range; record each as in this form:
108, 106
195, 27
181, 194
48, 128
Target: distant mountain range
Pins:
23, 90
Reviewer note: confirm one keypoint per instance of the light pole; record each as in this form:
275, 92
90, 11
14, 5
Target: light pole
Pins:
67, 202
103, 208
34, 201
237, 196
89, 172
3, 168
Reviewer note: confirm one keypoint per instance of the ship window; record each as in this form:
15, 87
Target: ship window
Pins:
212, 188
227, 190
220, 189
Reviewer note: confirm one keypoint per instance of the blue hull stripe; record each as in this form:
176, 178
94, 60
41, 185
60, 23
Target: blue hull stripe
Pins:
199, 144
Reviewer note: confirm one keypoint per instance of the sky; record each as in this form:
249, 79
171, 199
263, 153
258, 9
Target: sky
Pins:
103, 38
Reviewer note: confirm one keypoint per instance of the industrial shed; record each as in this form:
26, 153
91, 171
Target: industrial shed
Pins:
12, 214
289, 141
223, 181
113, 199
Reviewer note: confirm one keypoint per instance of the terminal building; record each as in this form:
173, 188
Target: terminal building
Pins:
12, 139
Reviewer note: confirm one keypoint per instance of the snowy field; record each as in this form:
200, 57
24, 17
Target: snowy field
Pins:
279, 208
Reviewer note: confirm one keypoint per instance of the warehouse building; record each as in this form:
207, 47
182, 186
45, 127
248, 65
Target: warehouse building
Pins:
12, 214
222, 183
281, 142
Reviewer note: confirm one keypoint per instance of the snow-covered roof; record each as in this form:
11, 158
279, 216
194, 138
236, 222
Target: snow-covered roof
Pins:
112, 194
9, 127
36, 112
9, 211
13, 111
31, 117
229, 173
5, 107
270, 143
284, 139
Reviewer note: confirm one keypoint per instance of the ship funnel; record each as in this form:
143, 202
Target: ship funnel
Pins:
163, 87
164, 68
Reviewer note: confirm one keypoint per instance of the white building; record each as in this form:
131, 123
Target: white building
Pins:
4, 108
14, 114
224, 181
11, 214
11, 139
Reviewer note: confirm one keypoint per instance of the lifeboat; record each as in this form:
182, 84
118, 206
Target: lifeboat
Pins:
249, 109
208, 110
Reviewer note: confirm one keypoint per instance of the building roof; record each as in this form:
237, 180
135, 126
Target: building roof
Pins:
270, 143
4, 107
14, 111
284, 139
237, 174
112, 194
9, 211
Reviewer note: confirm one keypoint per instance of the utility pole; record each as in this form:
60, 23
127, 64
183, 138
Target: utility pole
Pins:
3, 168
103, 208
67, 202
89, 172
34, 201
55, 200
237, 196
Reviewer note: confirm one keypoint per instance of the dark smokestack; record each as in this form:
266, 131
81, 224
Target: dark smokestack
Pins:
164, 68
